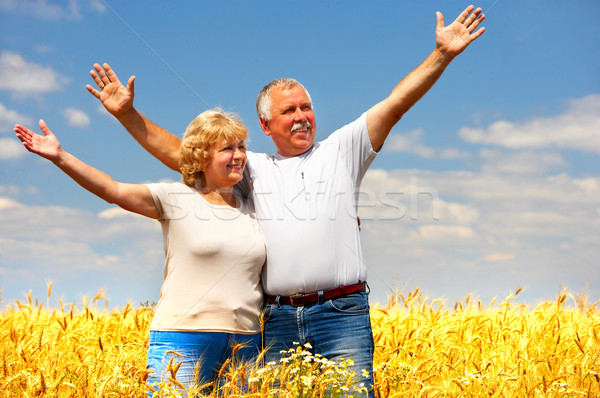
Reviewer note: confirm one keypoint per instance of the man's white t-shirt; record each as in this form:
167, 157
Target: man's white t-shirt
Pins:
306, 206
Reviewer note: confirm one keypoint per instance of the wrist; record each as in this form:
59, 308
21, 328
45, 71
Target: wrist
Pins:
60, 158
125, 114
443, 56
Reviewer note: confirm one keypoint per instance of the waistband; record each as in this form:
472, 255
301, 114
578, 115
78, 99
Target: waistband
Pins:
300, 299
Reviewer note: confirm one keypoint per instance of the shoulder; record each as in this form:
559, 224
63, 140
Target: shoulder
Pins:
163, 188
259, 160
257, 156
357, 126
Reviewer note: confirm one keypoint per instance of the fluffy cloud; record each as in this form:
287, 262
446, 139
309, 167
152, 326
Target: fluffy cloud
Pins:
27, 78
8, 118
66, 244
411, 142
11, 148
526, 162
493, 233
76, 118
41, 9
577, 128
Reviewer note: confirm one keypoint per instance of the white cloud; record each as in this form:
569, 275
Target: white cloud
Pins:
41, 9
76, 118
577, 128
79, 249
499, 257
6, 203
115, 212
37, 8
27, 78
436, 232
8, 118
98, 5
15, 190
494, 233
411, 142
526, 162
11, 148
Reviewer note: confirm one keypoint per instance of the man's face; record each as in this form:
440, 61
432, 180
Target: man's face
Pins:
292, 126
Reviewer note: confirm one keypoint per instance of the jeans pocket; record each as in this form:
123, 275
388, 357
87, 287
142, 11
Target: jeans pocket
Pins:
355, 303
267, 312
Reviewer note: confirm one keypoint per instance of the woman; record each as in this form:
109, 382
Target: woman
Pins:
211, 296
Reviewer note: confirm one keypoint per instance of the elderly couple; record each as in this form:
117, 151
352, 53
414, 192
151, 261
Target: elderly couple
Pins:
246, 233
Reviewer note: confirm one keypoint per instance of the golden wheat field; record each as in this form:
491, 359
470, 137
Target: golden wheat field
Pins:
423, 349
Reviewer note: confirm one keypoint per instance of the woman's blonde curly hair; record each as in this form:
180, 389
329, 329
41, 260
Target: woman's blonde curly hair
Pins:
204, 132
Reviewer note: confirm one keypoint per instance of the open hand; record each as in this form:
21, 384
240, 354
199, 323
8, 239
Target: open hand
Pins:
451, 40
47, 146
116, 98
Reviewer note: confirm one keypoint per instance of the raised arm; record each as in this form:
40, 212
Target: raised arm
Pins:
133, 197
118, 101
451, 40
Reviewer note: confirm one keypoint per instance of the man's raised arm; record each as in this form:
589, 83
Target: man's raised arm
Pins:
118, 101
450, 40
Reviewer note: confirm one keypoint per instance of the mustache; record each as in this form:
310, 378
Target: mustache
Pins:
301, 126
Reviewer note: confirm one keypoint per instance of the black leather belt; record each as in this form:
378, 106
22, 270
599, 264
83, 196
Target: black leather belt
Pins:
298, 300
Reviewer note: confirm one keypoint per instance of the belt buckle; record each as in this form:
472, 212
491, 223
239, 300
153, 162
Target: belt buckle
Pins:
296, 297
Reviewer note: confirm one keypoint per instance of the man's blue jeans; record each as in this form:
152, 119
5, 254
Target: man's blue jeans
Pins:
336, 329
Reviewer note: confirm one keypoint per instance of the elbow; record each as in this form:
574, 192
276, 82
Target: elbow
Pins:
110, 200
174, 165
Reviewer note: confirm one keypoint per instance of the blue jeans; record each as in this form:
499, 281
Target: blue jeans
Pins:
336, 329
210, 349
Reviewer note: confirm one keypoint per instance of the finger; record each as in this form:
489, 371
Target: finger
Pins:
23, 138
97, 79
440, 20
463, 15
473, 21
26, 141
477, 34
475, 24
103, 77
130, 84
44, 128
472, 17
112, 76
99, 71
93, 91
23, 130
23, 134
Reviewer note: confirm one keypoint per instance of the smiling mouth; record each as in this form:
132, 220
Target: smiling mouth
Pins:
303, 127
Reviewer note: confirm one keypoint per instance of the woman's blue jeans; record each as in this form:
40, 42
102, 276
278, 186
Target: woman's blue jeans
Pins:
209, 349
336, 329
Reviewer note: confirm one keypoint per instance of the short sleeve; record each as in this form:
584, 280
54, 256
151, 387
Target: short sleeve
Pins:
355, 146
171, 199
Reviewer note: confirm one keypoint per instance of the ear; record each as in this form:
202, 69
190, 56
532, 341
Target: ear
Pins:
264, 124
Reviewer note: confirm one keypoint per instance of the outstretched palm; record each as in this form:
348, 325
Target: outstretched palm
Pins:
115, 97
451, 40
47, 146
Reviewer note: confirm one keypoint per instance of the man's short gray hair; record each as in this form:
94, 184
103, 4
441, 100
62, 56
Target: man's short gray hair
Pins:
263, 102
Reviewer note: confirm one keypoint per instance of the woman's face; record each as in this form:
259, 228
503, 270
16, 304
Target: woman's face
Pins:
226, 165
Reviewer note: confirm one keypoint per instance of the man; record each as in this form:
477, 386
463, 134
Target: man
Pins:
305, 199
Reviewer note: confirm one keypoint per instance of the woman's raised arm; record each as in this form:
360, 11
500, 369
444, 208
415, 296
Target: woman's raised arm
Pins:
132, 197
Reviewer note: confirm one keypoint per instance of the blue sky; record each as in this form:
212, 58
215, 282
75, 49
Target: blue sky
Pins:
489, 184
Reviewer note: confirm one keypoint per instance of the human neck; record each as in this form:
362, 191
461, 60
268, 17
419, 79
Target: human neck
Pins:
297, 152
219, 196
